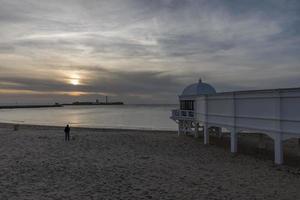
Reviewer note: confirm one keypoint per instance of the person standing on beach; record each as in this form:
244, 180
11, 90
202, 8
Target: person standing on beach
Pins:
67, 133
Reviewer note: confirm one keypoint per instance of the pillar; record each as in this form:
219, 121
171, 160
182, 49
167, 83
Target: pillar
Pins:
184, 127
188, 127
197, 130
278, 151
179, 127
233, 141
219, 132
206, 134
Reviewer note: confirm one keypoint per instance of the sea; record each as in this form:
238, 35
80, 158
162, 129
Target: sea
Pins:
146, 117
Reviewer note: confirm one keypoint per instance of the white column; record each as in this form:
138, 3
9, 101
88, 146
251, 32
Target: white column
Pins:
189, 127
206, 134
184, 127
196, 130
219, 132
205, 125
278, 151
233, 134
233, 141
179, 127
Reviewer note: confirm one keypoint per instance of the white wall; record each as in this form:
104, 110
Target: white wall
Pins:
272, 111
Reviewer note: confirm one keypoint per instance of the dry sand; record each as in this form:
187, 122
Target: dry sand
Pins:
36, 163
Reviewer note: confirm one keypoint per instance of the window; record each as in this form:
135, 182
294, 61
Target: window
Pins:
187, 105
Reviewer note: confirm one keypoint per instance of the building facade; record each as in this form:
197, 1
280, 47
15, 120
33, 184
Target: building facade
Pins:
274, 112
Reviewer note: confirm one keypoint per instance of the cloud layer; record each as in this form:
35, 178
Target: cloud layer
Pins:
145, 50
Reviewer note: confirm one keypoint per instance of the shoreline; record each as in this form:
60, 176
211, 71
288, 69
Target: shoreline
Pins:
104, 129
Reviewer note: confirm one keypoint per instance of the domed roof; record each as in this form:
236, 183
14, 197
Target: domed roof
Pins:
197, 89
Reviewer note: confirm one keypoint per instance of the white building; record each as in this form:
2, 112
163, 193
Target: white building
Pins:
274, 112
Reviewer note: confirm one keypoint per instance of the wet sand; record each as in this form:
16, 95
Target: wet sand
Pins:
36, 163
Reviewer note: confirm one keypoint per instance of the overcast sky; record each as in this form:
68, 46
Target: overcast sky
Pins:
144, 51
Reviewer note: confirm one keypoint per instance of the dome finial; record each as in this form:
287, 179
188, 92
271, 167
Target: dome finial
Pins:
200, 80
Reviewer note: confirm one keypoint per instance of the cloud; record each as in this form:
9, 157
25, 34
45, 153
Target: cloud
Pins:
101, 81
149, 48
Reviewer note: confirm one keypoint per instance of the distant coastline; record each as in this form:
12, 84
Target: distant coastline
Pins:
76, 103
79, 103
30, 106
61, 105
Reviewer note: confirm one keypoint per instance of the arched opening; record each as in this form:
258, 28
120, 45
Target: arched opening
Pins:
291, 151
219, 136
259, 145
262, 146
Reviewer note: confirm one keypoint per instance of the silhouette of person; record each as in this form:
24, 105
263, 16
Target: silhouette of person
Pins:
67, 133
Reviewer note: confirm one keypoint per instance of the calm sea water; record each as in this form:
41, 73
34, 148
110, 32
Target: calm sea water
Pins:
124, 116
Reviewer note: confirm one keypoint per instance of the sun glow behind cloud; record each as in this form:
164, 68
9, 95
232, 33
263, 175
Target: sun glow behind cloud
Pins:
75, 78
74, 81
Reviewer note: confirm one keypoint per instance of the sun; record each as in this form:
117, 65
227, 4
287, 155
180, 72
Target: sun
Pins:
74, 78
74, 81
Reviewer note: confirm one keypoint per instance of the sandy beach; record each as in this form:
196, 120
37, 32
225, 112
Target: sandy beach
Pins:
36, 163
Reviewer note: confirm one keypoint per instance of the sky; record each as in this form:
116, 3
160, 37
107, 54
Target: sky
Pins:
144, 51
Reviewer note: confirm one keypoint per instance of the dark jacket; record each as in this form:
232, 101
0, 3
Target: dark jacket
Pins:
67, 129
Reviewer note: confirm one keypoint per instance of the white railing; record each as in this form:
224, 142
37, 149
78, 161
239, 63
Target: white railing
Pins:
183, 114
